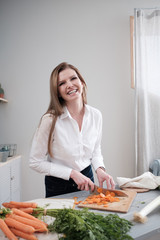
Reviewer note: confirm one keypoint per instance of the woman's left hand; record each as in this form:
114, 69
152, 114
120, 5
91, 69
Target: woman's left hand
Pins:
103, 176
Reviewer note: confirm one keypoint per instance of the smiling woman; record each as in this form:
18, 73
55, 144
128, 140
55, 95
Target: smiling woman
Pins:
69, 86
67, 143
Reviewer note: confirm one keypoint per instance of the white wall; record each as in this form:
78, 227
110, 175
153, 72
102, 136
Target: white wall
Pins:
90, 34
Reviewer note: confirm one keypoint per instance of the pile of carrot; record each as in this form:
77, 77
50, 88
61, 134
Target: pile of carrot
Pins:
18, 222
100, 199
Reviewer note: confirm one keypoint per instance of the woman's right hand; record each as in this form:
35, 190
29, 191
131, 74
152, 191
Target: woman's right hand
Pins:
83, 182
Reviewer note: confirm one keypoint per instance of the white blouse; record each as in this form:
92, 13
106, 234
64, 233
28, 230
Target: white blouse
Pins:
72, 148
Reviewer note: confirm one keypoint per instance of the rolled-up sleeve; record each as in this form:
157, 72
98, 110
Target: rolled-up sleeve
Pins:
39, 159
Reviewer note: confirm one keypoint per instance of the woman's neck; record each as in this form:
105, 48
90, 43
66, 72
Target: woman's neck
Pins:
76, 109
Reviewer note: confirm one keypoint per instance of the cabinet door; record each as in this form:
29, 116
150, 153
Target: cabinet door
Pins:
5, 186
16, 179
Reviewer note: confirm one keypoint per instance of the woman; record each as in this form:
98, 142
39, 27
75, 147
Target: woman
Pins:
68, 139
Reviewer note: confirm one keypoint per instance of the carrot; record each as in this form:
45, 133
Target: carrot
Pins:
113, 194
23, 235
78, 202
101, 199
38, 226
102, 195
26, 215
8, 205
27, 210
24, 204
5, 229
18, 225
99, 190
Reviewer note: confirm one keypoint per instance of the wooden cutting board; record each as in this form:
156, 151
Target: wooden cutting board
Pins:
122, 206
138, 190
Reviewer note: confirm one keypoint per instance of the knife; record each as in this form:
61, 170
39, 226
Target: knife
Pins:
97, 190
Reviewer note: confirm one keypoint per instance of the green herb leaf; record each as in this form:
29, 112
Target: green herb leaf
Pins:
85, 225
4, 212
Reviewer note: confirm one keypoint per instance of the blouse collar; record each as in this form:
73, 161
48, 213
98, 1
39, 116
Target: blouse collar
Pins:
66, 113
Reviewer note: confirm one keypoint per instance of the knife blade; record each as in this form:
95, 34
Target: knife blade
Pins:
119, 193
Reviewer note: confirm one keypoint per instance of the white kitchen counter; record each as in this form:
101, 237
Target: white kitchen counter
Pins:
147, 231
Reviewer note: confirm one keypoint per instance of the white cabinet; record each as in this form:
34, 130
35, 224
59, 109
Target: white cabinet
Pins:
10, 180
5, 183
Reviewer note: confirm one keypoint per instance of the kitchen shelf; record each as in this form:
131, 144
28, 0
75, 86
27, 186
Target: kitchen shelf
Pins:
3, 100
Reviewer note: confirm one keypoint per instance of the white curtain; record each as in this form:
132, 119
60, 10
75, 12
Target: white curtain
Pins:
147, 87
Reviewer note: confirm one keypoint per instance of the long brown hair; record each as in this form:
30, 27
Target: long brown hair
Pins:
56, 102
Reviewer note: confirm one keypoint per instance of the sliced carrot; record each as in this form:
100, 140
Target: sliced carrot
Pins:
107, 192
102, 195
23, 235
101, 199
5, 229
38, 226
116, 199
108, 198
112, 194
75, 201
95, 200
78, 202
99, 190
18, 225
24, 204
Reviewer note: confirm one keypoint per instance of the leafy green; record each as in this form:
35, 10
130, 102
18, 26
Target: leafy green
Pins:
4, 212
86, 225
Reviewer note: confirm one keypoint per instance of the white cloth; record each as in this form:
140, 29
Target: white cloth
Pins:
146, 180
72, 149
